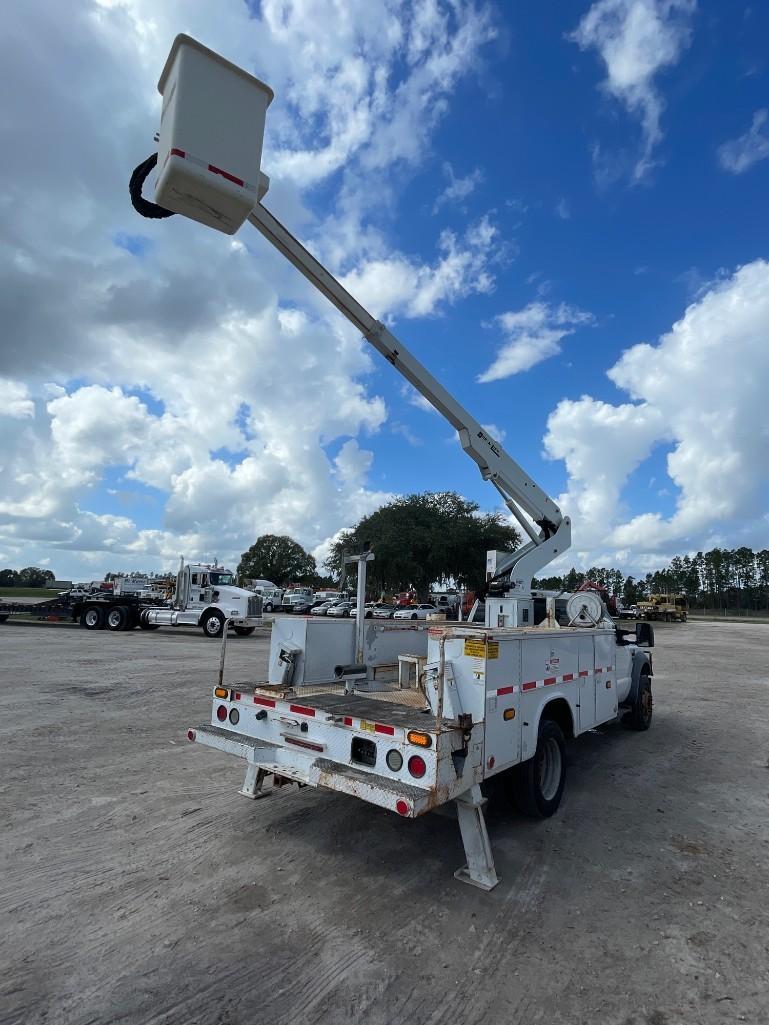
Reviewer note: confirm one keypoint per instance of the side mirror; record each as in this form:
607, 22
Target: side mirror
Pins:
644, 635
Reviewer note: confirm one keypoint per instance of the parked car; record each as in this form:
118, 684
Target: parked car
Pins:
414, 612
321, 608
340, 609
382, 611
76, 593
368, 609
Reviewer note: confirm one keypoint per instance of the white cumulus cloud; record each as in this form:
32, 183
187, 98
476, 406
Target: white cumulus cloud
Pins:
533, 334
400, 285
700, 389
636, 40
200, 374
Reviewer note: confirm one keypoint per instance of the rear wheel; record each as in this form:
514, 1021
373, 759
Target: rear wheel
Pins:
414, 616
117, 618
537, 784
148, 626
92, 618
268, 607
244, 631
640, 715
213, 624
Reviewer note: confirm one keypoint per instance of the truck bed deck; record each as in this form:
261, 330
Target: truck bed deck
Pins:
385, 706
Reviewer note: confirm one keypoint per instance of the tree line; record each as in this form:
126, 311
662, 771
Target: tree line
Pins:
719, 579
31, 576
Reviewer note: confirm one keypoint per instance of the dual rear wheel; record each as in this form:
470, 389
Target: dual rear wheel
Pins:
113, 617
535, 787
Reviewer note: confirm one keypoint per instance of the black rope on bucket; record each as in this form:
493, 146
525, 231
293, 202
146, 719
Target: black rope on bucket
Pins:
140, 204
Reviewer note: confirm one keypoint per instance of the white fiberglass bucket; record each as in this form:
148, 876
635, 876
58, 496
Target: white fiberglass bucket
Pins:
211, 132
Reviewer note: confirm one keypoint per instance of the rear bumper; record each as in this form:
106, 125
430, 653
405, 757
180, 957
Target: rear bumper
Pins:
316, 771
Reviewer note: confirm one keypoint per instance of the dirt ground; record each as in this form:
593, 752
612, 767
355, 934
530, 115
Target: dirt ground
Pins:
138, 887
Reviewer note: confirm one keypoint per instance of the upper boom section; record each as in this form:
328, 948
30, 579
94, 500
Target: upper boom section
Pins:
209, 163
518, 490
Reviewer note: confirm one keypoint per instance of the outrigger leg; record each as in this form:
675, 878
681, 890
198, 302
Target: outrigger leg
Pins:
479, 870
252, 784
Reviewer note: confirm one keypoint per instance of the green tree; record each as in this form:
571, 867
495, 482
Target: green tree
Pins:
31, 576
633, 591
573, 580
548, 583
9, 578
279, 558
422, 539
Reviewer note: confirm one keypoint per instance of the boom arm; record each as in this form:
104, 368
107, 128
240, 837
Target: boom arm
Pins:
519, 492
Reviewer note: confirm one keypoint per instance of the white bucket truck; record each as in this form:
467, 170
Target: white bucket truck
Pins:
206, 596
400, 727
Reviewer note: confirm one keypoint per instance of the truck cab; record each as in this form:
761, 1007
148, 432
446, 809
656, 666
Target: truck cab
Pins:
207, 596
297, 599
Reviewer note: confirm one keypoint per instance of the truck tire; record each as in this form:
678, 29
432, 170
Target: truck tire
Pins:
147, 626
244, 631
213, 624
4, 617
415, 616
268, 607
117, 618
537, 784
640, 715
92, 618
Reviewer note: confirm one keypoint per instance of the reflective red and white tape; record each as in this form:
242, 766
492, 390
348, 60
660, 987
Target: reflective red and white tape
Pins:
549, 681
209, 167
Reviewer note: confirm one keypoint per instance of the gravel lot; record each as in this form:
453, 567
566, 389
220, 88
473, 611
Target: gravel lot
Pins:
137, 886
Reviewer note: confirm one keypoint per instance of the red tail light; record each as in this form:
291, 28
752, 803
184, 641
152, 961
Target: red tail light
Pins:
417, 766
221, 713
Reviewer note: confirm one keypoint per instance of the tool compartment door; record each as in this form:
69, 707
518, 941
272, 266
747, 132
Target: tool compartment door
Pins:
586, 683
502, 746
605, 678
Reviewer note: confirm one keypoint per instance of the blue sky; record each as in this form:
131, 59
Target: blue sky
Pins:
527, 194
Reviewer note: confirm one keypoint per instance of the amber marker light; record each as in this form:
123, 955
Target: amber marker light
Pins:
420, 739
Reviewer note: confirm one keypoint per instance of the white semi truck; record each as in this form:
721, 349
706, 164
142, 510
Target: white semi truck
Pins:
411, 719
206, 596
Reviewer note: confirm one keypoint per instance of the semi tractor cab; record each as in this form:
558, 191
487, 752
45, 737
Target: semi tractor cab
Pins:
207, 596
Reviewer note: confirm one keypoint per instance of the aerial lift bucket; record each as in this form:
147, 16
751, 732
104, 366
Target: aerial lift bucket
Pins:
211, 133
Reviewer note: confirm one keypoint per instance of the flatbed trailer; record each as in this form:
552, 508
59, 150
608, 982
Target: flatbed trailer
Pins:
58, 606
118, 612
101, 609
